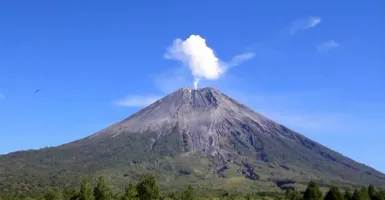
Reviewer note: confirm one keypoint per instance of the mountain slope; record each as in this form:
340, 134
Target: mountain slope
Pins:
190, 136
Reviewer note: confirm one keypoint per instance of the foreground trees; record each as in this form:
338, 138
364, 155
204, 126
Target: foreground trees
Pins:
189, 194
293, 195
312, 192
130, 193
86, 192
147, 188
101, 191
348, 194
334, 194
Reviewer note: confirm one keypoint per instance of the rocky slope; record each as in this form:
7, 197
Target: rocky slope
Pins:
190, 136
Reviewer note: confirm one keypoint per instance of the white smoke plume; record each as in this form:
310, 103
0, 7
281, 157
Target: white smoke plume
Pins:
198, 56
201, 59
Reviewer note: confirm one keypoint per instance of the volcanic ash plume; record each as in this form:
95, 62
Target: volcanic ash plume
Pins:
200, 58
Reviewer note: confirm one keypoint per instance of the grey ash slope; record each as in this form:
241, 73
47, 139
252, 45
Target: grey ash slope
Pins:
205, 115
216, 124
189, 136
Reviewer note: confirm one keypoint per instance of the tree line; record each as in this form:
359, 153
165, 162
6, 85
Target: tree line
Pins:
147, 188
313, 192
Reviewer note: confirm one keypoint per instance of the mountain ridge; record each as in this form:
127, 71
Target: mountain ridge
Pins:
213, 95
224, 139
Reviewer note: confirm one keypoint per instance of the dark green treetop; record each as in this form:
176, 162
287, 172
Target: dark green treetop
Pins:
52, 195
148, 188
348, 194
130, 193
361, 194
189, 194
101, 191
70, 194
292, 195
86, 192
334, 194
372, 191
312, 192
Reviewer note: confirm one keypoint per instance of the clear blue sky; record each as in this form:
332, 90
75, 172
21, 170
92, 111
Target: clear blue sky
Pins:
318, 66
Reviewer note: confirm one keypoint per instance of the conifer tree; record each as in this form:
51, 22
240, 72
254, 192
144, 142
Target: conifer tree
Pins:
148, 188
356, 195
292, 195
70, 194
86, 192
372, 192
101, 191
365, 193
334, 194
130, 193
51, 195
348, 194
312, 192
361, 194
173, 196
189, 194
381, 194
375, 195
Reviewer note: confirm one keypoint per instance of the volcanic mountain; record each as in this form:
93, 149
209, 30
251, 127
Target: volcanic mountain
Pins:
189, 136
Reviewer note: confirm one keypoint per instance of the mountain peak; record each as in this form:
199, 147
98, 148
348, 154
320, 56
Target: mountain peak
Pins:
207, 88
211, 122
188, 89
199, 133
204, 111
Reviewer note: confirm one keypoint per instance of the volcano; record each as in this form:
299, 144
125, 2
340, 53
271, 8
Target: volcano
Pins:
198, 136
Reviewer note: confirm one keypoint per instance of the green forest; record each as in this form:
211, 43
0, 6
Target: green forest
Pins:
148, 188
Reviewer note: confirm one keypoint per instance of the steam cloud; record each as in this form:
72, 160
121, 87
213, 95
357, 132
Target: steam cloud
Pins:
201, 59
198, 56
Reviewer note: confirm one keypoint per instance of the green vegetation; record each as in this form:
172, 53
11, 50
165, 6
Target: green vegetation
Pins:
348, 194
293, 195
130, 193
312, 192
101, 191
147, 188
189, 194
250, 154
334, 194
86, 192
125, 157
